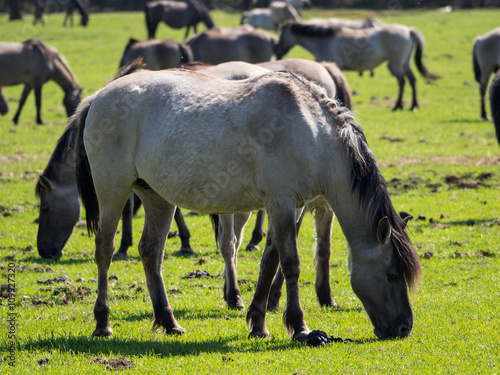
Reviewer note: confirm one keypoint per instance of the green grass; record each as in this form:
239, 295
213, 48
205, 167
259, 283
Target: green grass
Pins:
455, 309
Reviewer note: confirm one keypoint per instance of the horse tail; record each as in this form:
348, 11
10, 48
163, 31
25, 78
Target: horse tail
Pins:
418, 39
186, 54
84, 179
475, 64
495, 103
343, 91
215, 224
151, 23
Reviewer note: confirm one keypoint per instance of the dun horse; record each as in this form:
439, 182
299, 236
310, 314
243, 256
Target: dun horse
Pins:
486, 60
157, 54
241, 43
174, 123
177, 14
270, 18
495, 103
32, 64
361, 50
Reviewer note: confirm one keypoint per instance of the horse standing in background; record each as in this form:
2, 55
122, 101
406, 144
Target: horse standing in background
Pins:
362, 49
495, 103
81, 7
270, 18
157, 54
32, 63
240, 43
176, 14
486, 60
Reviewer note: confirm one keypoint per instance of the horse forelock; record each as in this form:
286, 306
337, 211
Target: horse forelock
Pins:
368, 182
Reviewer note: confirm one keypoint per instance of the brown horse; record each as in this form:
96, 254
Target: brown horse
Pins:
157, 54
176, 14
486, 60
32, 64
495, 103
240, 43
362, 49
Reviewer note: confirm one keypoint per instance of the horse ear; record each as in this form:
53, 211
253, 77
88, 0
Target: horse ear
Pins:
45, 182
406, 218
384, 231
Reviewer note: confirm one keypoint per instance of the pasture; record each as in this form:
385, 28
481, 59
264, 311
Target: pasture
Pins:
441, 163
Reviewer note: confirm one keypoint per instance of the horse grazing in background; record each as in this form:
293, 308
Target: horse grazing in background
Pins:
185, 141
240, 43
495, 103
33, 63
361, 50
270, 18
177, 14
59, 204
157, 54
486, 60
81, 7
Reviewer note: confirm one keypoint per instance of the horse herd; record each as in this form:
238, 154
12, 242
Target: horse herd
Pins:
214, 137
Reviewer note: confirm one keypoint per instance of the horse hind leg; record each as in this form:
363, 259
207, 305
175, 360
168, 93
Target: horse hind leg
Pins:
127, 229
24, 96
158, 219
258, 232
398, 73
104, 242
413, 84
482, 93
184, 233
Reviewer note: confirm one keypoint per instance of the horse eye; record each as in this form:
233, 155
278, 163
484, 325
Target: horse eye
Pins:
392, 277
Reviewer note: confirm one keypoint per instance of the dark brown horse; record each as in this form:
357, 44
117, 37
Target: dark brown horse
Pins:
81, 7
176, 14
495, 103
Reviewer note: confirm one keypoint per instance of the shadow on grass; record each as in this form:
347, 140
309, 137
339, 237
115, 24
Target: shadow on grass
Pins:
63, 261
472, 222
172, 346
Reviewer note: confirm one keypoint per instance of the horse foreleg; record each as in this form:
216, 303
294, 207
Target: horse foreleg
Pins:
258, 231
256, 314
158, 219
38, 101
24, 96
323, 220
413, 84
228, 246
127, 236
273, 302
482, 92
4, 106
183, 232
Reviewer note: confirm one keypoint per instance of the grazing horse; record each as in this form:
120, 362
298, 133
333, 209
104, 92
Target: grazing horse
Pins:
177, 14
185, 140
351, 24
59, 204
157, 54
32, 63
82, 8
270, 18
240, 43
362, 49
486, 60
495, 103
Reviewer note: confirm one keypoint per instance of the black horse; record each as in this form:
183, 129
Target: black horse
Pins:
176, 14
81, 7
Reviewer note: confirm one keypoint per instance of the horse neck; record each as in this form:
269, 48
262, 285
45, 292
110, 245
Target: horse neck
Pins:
62, 163
313, 45
63, 77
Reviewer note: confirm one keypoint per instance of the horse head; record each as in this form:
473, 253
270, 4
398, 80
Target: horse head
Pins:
59, 212
72, 99
286, 41
381, 281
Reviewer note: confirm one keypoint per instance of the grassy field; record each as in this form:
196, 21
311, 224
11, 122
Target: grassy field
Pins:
441, 164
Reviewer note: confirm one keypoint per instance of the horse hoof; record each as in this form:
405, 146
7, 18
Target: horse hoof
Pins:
102, 332
272, 306
251, 247
301, 336
119, 255
238, 305
186, 251
176, 330
261, 334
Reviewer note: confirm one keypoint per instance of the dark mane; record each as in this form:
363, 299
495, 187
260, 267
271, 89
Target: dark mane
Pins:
53, 169
310, 30
369, 183
202, 13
